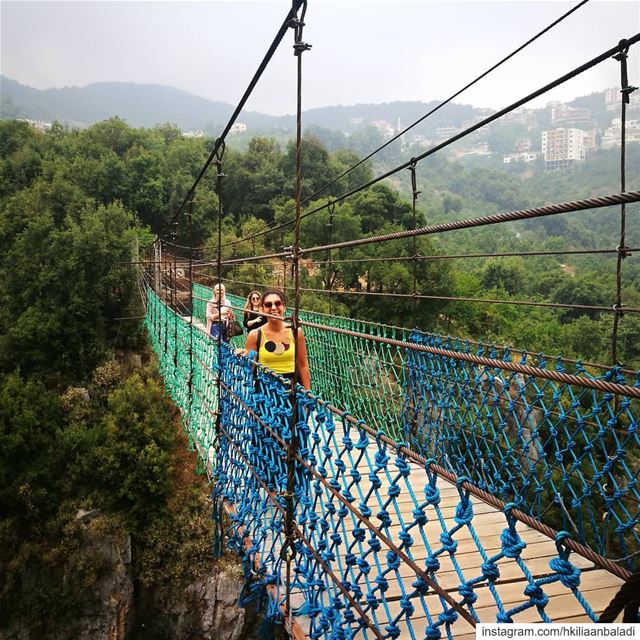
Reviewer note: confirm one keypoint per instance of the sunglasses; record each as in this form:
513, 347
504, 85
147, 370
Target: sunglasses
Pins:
277, 304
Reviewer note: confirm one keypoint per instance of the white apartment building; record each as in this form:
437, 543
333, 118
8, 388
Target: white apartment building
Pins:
612, 99
613, 134
238, 127
523, 156
192, 134
562, 148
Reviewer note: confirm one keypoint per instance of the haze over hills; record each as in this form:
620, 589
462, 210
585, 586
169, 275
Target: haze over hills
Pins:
144, 105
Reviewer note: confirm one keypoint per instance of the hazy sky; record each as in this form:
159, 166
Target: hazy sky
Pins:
363, 51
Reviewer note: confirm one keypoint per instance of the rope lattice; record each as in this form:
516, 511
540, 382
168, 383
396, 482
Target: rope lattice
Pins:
566, 455
385, 547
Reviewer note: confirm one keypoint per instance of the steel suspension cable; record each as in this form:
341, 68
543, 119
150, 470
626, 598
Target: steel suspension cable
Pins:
523, 214
421, 119
504, 254
248, 91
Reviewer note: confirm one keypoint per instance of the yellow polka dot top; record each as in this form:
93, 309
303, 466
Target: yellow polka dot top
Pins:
280, 357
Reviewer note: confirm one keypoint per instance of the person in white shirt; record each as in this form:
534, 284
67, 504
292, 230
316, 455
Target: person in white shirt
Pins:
218, 319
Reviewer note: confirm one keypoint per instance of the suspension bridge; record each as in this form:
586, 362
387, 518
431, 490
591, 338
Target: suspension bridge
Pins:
426, 484
425, 516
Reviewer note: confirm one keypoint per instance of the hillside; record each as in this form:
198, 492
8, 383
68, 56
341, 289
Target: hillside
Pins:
141, 105
145, 105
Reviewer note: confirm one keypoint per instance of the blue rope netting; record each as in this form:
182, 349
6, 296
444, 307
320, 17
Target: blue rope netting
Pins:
568, 455
382, 542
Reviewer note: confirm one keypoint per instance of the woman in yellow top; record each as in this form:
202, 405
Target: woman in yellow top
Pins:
274, 341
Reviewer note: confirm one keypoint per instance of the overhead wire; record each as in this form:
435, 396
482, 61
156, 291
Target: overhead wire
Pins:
291, 14
418, 121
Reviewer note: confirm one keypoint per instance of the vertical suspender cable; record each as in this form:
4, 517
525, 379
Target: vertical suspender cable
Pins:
288, 551
623, 250
329, 279
414, 198
190, 230
165, 299
175, 311
219, 177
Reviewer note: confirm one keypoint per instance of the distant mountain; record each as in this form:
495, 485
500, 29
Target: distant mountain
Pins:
144, 105
141, 105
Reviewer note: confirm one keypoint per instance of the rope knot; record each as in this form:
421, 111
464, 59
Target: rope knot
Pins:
421, 586
490, 571
568, 574
512, 543
469, 596
536, 595
448, 543
406, 605
393, 560
448, 617
464, 511
432, 495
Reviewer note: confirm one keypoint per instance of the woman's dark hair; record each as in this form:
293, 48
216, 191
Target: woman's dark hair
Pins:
273, 292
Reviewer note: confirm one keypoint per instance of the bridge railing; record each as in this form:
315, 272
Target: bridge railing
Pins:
562, 452
363, 502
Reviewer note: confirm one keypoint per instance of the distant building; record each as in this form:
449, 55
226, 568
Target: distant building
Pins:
238, 127
525, 117
40, 125
383, 126
612, 98
564, 113
467, 124
442, 133
562, 148
592, 139
523, 156
192, 134
613, 134
481, 149
421, 141
356, 121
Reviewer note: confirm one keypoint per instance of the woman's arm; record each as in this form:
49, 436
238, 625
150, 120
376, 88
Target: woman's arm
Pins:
212, 310
303, 363
252, 341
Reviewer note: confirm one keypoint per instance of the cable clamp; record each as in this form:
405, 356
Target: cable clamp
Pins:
288, 551
300, 47
624, 251
627, 91
289, 252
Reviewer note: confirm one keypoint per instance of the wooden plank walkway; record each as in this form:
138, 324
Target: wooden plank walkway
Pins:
597, 585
